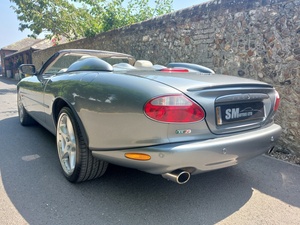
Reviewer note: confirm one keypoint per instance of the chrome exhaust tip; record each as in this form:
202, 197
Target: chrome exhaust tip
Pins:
177, 176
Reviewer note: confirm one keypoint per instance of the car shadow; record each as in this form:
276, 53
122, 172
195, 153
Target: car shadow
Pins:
10, 88
7, 80
34, 183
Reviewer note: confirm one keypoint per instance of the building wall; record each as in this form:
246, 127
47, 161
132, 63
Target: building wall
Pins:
257, 39
5, 66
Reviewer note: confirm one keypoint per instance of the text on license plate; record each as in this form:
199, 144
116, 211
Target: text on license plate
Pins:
231, 113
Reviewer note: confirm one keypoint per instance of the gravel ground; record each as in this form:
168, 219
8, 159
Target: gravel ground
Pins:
285, 155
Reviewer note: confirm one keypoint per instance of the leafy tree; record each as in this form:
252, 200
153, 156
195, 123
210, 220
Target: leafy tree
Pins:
83, 18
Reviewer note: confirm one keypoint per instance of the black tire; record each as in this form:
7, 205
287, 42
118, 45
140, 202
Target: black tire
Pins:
75, 158
24, 118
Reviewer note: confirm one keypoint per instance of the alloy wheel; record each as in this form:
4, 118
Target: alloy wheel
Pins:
66, 144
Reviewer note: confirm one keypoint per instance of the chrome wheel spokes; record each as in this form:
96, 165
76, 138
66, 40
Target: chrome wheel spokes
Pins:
66, 143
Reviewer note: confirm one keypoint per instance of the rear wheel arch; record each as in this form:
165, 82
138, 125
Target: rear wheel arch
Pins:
60, 103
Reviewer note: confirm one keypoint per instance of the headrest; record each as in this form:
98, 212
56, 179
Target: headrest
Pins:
143, 63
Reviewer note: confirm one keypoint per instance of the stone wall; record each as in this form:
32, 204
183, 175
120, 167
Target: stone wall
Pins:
257, 39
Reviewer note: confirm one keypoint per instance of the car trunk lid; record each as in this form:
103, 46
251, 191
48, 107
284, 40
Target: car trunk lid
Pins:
231, 103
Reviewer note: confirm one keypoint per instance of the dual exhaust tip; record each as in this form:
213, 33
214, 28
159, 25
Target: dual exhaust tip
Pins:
177, 176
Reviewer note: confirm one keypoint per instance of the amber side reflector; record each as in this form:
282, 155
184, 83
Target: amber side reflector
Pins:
138, 156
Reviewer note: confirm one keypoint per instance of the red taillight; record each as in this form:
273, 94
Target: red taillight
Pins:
174, 109
174, 70
277, 101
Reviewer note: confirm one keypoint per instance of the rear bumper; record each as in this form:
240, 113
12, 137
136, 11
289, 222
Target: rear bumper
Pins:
198, 156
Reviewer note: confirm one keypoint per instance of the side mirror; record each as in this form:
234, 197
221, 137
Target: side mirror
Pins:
27, 69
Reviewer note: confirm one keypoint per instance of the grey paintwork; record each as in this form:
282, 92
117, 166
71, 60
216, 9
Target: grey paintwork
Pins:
109, 108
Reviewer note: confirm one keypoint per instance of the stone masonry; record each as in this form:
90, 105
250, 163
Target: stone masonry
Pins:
258, 39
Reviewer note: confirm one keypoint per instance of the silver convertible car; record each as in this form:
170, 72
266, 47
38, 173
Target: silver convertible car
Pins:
176, 120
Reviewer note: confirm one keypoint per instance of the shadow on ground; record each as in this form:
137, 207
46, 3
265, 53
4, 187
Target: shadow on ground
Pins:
41, 194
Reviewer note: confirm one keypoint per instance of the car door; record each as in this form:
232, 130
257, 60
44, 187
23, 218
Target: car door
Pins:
33, 96
33, 89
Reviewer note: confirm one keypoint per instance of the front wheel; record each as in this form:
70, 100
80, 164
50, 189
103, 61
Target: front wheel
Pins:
24, 118
75, 158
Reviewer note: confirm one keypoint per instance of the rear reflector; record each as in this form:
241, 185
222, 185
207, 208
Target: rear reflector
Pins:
174, 109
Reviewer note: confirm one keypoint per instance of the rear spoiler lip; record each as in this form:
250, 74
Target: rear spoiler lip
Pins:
233, 86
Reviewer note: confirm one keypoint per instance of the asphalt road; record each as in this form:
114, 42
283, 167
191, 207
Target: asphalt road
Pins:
33, 190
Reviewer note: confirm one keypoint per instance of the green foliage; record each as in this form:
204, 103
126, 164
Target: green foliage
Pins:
75, 19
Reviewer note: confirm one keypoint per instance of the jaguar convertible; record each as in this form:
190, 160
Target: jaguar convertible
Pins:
173, 120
